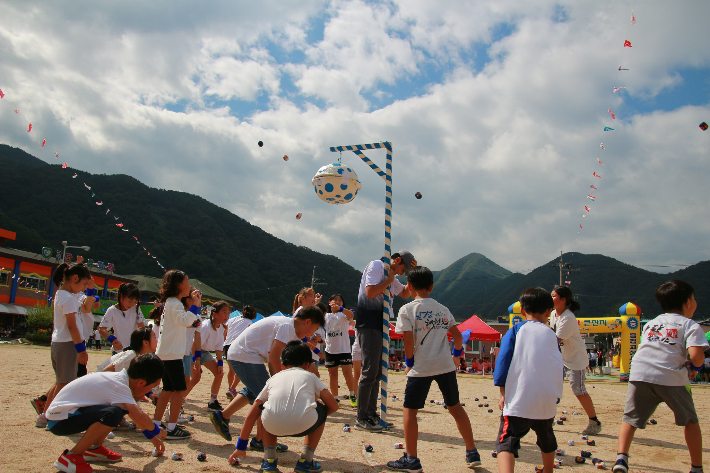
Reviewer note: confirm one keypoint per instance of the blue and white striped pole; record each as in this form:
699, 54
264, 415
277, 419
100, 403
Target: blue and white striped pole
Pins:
387, 176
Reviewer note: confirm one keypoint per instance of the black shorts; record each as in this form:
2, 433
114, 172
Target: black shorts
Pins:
592, 364
338, 359
512, 429
417, 390
225, 349
174, 376
322, 415
85, 417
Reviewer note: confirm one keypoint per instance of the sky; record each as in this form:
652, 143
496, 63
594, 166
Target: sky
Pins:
495, 111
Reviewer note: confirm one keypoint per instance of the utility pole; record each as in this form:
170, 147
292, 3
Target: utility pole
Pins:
314, 279
565, 267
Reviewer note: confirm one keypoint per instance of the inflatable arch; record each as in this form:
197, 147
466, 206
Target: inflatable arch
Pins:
628, 324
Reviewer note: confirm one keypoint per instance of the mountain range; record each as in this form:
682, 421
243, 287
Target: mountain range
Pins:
45, 206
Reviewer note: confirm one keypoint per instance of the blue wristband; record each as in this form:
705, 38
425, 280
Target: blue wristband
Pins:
91, 292
80, 347
149, 393
220, 362
149, 434
696, 368
242, 444
341, 309
457, 353
198, 354
304, 339
408, 361
97, 298
111, 338
316, 350
194, 309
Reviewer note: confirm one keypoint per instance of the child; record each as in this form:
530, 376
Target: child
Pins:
124, 317
425, 324
659, 372
262, 343
143, 340
529, 371
337, 346
67, 349
315, 342
87, 302
95, 404
235, 326
574, 351
171, 347
211, 339
286, 407
305, 297
190, 362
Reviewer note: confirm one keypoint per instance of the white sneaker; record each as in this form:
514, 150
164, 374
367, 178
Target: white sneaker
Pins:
182, 418
41, 422
593, 428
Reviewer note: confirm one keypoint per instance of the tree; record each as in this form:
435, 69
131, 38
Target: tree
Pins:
40, 316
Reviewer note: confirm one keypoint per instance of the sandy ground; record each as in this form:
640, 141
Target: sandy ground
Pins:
27, 371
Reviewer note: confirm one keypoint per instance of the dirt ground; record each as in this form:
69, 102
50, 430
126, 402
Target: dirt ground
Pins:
27, 371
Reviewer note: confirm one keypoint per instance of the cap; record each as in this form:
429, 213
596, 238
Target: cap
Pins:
407, 259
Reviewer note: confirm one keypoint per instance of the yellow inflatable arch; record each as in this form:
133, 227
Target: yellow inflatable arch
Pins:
628, 324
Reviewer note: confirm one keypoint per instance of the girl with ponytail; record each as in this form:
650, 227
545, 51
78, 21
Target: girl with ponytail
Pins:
124, 317
143, 340
574, 351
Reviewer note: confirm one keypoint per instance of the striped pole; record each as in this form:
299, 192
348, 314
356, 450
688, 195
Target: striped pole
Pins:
387, 176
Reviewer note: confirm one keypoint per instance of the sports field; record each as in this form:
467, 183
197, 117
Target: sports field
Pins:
27, 372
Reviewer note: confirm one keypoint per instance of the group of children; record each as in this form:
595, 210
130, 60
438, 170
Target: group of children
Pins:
275, 358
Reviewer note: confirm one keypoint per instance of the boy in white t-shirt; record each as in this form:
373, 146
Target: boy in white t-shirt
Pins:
425, 325
262, 343
660, 371
529, 372
286, 407
95, 404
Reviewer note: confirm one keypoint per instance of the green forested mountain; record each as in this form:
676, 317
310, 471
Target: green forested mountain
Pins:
45, 206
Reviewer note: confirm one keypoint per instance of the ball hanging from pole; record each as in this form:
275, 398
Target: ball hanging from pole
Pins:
336, 184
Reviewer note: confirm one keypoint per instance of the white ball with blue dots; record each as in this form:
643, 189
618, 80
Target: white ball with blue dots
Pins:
336, 184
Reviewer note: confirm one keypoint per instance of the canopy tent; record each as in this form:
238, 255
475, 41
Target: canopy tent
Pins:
393, 334
477, 329
278, 312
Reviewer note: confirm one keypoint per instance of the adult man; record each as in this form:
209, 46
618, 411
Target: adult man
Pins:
370, 304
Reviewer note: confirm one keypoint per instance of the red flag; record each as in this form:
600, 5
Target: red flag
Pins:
119, 224
613, 117
44, 142
580, 225
594, 188
596, 175
30, 128
64, 165
627, 44
2, 96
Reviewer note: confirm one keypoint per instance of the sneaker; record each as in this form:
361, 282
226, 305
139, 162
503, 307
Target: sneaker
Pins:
214, 405
221, 425
258, 445
403, 464
41, 422
377, 420
353, 401
178, 433
38, 404
368, 425
230, 395
473, 458
269, 465
593, 428
123, 425
182, 418
101, 454
620, 466
304, 466
72, 463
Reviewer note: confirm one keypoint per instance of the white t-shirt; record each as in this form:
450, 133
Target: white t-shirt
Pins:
663, 350
211, 339
91, 390
235, 326
320, 332
124, 323
593, 356
87, 318
191, 336
356, 344
369, 311
707, 363
574, 351
65, 303
337, 339
530, 367
430, 322
97, 335
120, 360
254, 343
289, 402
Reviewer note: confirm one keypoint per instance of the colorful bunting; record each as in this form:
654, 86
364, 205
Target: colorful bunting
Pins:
594, 188
596, 175
64, 166
622, 69
633, 19
616, 89
627, 44
608, 128
600, 162
591, 197
2, 96
601, 145
44, 142
613, 117
30, 129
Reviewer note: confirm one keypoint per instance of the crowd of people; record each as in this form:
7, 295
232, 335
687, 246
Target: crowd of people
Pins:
276, 361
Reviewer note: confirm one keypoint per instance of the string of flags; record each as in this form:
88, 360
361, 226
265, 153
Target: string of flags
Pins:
607, 128
99, 203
